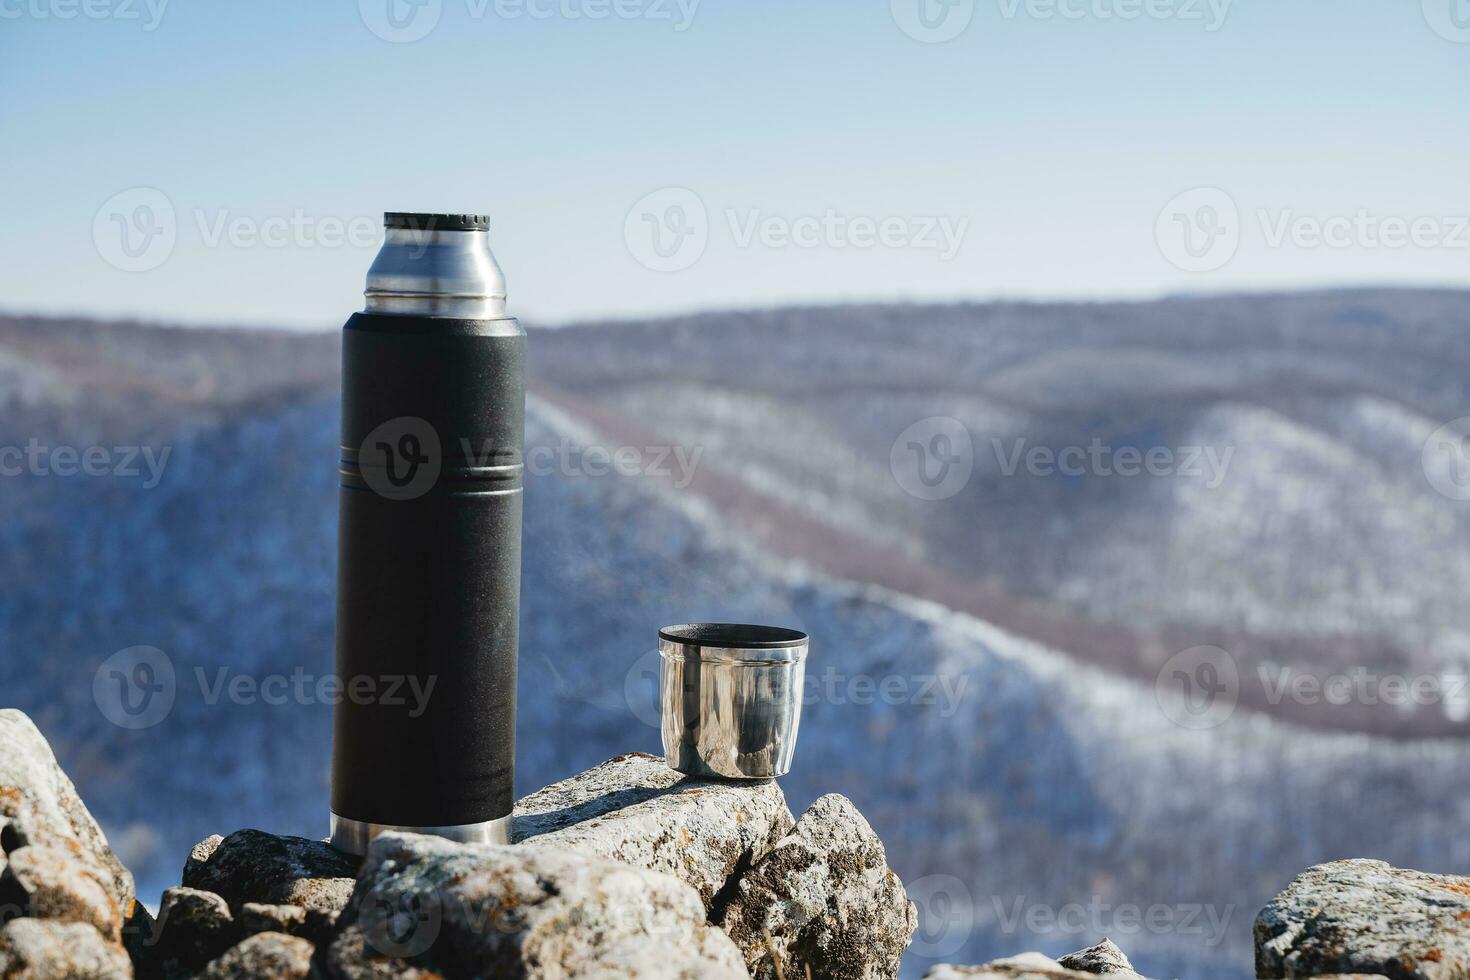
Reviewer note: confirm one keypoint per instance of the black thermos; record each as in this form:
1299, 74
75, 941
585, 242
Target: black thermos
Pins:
429, 541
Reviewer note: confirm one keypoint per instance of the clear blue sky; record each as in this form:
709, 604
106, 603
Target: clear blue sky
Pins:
1049, 138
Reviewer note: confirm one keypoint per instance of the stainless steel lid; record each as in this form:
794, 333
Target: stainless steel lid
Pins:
436, 265
733, 643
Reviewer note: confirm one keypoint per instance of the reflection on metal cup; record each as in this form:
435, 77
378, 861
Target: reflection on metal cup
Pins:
730, 695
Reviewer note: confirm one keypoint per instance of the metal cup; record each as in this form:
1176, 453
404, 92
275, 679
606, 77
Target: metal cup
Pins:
731, 698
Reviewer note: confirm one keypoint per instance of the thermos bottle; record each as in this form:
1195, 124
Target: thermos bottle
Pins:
429, 541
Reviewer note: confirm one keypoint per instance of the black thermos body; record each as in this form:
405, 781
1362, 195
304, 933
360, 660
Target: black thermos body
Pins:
429, 541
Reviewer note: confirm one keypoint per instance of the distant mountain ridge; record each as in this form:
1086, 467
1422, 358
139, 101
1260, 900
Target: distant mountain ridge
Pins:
1046, 769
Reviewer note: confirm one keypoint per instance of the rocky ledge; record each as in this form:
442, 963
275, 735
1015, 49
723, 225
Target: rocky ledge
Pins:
628, 869
1347, 919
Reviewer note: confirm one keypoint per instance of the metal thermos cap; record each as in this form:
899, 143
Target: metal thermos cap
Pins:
436, 265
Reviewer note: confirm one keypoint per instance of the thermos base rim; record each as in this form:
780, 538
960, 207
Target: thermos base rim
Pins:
354, 836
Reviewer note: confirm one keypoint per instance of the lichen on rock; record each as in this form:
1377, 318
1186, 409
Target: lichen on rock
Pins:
56, 861
1361, 916
637, 810
47, 949
503, 910
251, 866
823, 898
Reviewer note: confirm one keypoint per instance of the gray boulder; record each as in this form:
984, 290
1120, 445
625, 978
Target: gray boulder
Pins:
1105, 959
1366, 917
637, 810
251, 866
255, 917
193, 928
42, 949
50, 881
1026, 966
822, 899
507, 911
54, 858
266, 956
200, 854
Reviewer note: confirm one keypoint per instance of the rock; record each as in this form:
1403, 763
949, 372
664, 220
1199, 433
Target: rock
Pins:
822, 898
1027, 966
200, 854
40, 949
50, 881
251, 866
637, 810
255, 917
351, 957
39, 808
1105, 958
1364, 916
266, 956
193, 928
140, 933
488, 910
